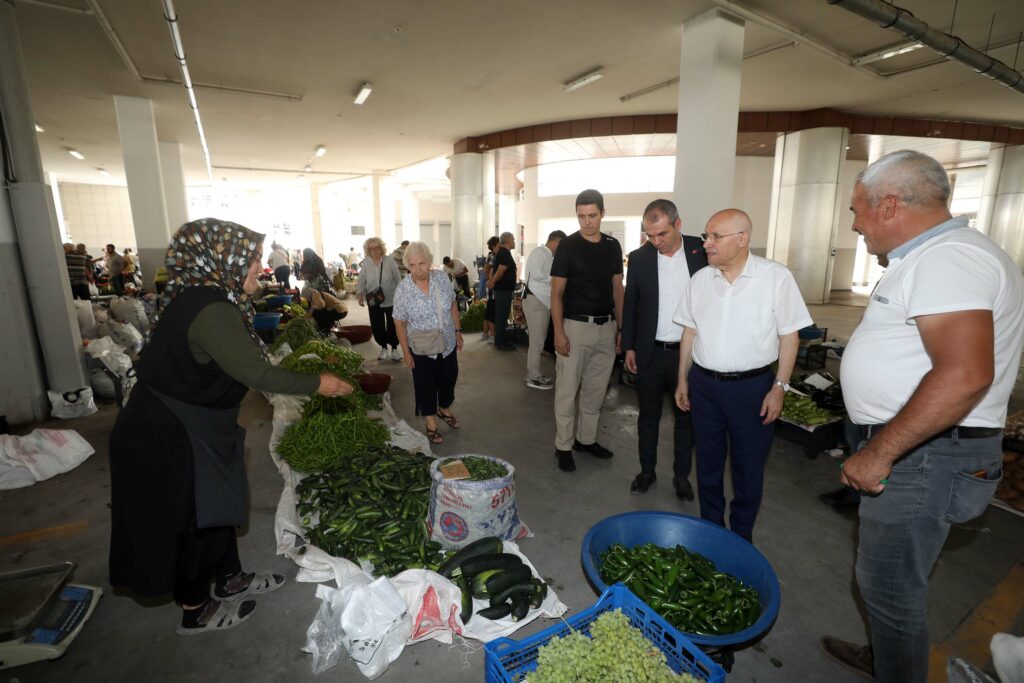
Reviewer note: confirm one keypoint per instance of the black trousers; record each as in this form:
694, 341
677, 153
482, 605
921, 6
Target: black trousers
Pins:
383, 326
81, 292
204, 555
653, 383
502, 308
283, 274
463, 282
433, 381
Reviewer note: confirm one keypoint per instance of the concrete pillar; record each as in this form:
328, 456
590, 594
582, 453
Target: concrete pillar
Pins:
137, 128
467, 206
1001, 214
411, 217
384, 210
488, 194
709, 99
172, 171
318, 231
42, 344
803, 224
507, 220
526, 212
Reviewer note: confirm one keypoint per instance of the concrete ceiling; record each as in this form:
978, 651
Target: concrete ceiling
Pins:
446, 70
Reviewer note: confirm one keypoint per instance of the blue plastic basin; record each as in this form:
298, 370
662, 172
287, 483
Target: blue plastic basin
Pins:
729, 552
266, 321
277, 301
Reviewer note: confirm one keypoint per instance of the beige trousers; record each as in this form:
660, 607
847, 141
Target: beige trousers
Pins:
537, 318
584, 371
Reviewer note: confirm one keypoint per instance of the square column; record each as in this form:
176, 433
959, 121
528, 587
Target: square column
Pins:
710, 63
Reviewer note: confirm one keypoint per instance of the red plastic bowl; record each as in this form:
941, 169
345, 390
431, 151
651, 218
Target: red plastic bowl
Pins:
356, 334
374, 382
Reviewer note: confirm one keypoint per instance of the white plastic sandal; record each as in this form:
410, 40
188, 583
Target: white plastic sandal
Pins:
261, 583
228, 615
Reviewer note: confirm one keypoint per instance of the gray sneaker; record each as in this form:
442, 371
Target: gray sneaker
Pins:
538, 383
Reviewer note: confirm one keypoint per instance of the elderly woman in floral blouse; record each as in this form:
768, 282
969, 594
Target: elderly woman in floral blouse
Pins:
425, 302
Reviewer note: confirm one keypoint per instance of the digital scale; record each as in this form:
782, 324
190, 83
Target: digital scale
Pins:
41, 613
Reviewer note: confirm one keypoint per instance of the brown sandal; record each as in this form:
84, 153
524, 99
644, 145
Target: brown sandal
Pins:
449, 419
434, 436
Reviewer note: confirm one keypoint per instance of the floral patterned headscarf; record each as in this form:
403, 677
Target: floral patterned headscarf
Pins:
213, 253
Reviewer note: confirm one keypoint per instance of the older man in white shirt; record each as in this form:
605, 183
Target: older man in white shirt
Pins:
537, 306
739, 316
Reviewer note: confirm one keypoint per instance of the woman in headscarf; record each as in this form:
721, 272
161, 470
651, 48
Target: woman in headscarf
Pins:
324, 307
178, 482
314, 272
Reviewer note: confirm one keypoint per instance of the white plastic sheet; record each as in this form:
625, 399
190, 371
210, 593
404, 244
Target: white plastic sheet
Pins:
45, 452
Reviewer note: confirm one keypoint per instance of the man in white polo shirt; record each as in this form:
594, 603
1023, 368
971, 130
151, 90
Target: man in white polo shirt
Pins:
537, 306
926, 376
739, 316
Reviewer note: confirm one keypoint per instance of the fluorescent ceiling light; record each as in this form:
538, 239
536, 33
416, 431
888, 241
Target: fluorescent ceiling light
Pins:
364, 92
102, 170
583, 79
886, 53
75, 153
40, 129
320, 150
307, 168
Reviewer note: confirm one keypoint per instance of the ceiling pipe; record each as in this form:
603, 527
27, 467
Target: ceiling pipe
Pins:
897, 19
179, 53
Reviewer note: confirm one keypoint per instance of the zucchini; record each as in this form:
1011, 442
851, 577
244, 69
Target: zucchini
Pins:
511, 577
535, 589
496, 612
520, 606
467, 599
475, 565
483, 546
541, 592
478, 583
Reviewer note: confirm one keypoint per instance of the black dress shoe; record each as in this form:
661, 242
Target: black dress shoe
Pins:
565, 461
642, 482
684, 491
856, 658
595, 449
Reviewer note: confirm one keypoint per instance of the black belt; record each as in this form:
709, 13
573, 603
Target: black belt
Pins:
671, 346
952, 433
595, 319
730, 376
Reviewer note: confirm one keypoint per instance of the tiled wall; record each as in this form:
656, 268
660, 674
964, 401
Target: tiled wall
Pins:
98, 215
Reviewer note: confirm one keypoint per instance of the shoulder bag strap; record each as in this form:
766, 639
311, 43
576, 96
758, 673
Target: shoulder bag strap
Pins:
436, 295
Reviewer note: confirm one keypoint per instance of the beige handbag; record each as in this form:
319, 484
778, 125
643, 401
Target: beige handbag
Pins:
429, 342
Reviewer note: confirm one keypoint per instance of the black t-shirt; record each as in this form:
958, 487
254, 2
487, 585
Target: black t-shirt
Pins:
507, 283
588, 268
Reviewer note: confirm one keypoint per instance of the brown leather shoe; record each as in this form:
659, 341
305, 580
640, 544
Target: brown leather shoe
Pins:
856, 658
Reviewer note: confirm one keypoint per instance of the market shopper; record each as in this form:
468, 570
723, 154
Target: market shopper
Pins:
399, 256
586, 314
659, 272
927, 376
430, 332
378, 279
115, 266
739, 316
492, 246
459, 272
129, 269
78, 272
278, 262
503, 281
314, 272
178, 483
537, 306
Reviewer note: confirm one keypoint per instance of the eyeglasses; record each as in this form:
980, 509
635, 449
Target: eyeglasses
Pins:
716, 238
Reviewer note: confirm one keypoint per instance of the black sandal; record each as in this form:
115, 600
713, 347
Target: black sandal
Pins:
434, 436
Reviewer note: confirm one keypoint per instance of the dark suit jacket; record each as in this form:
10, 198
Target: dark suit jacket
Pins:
640, 312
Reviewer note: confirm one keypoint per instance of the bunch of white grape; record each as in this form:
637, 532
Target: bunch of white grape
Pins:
616, 652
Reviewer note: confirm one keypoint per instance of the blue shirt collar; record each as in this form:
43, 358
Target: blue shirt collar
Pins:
954, 223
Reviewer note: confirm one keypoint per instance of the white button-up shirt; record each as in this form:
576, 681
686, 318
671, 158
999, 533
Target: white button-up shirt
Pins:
739, 324
673, 277
537, 275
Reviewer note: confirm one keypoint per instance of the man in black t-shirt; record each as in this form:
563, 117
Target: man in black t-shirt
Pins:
586, 313
503, 282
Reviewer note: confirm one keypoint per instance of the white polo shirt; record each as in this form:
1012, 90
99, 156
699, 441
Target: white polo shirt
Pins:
739, 324
673, 277
537, 275
957, 270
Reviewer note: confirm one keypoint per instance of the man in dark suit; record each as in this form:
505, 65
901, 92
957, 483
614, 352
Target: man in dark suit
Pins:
659, 272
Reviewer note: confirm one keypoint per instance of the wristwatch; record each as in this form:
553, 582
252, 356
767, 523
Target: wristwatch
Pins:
782, 385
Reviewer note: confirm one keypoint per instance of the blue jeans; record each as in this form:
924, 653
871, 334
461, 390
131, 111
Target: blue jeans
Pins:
902, 531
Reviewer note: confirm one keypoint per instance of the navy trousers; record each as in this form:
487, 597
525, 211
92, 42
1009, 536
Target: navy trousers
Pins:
727, 424
653, 383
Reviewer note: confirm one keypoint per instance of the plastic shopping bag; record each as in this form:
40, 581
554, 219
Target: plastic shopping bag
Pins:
369, 622
45, 452
70, 404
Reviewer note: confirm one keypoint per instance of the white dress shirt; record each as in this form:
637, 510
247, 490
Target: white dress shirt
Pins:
739, 324
673, 277
537, 275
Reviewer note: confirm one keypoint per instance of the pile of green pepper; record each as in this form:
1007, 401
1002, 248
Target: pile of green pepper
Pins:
684, 587
324, 441
329, 358
296, 332
372, 507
